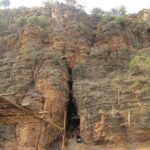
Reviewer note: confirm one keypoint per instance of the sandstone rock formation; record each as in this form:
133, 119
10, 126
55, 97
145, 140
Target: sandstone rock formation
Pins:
112, 100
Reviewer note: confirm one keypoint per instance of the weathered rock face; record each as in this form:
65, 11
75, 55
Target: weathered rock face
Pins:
31, 71
111, 104
112, 100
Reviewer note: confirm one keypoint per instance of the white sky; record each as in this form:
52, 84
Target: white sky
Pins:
131, 5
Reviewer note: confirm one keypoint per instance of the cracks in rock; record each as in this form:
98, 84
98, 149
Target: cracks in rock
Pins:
35, 70
70, 83
73, 120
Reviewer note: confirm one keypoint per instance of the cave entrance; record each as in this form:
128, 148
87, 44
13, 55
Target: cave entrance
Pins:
73, 119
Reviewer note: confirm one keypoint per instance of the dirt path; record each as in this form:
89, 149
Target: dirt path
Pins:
72, 145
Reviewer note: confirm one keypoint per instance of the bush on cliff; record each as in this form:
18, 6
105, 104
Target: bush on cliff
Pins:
57, 59
37, 20
120, 11
120, 20
21, 21
79, 70
140, 64
3, 24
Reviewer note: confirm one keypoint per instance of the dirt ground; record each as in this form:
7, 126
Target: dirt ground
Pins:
72, 145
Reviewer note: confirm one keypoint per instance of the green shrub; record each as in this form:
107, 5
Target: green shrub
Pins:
140, 63
49, 29
57, 59
21, 21
117, 79
107, 17
34, 55
37, 20
147, 60
79, 70
125, 46
120, 20
3, 24
134, 63
120, 11
98, 12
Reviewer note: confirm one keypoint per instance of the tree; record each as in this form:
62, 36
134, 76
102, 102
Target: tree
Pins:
120, 20
5, 3
37, 20
21, 21
97, 12
107, 16
71, 2
114, 12
120, 11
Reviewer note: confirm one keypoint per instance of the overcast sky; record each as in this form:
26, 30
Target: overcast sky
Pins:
131, 5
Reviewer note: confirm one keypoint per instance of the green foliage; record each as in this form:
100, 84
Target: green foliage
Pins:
34, 55
120, 20
21, 21
134, 63
3, 24
119, 14
116, 13
79, 70
140, 63
37, 20
49, 29
125, 47
107, 17
34, 20
116, 81
5, 3
57, 59
97, 12
120, 11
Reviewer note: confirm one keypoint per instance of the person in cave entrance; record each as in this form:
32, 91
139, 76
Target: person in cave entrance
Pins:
76, 127
73, 121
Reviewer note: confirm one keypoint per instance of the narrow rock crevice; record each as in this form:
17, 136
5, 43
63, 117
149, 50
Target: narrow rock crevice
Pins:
73, 120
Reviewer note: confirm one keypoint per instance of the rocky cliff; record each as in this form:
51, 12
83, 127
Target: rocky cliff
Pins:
103, 67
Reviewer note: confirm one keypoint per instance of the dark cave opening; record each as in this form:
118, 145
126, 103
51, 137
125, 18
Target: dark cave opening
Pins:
73, 120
